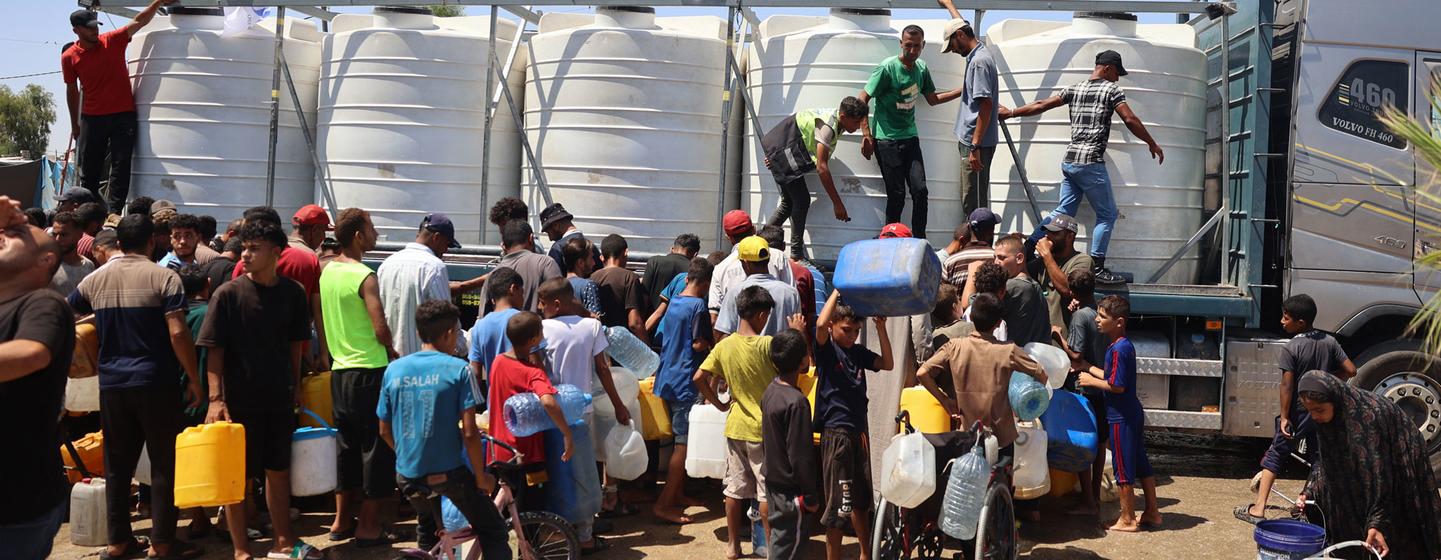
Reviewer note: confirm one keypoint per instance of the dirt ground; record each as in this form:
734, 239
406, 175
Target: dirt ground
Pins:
1200, 480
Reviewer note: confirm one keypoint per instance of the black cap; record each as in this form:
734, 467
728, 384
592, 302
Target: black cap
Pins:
84, 18
552, 214
983, 219
78, 195
440, 223
1111, 58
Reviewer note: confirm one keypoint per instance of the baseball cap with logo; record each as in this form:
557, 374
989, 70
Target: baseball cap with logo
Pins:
78, 195
738, 222
311, 215
983, 219
440, 223
84, 18
1063, 222
1112, 58
753, 249
895, 230
951, 28
162, 209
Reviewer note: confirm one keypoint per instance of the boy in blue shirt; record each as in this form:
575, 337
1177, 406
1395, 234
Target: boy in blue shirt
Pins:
1124, 414
427, 414
841, 405
684, 339
487, 336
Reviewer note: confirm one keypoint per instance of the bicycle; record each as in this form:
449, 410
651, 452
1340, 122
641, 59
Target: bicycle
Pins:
901, 534
539, 535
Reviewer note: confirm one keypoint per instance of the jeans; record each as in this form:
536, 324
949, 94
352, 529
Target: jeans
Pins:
903, 167
975, 185
486, 524
32, 539
131, 418
1091, 181
102, 138
795, 204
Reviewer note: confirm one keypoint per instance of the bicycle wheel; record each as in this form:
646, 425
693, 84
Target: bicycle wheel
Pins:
549, 535
888, 534
996, 534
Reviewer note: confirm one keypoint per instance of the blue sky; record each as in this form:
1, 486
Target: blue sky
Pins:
38, 28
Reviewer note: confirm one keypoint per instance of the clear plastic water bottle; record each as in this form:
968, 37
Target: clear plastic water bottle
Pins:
965, 493
631, 352
525, 416
1028, 397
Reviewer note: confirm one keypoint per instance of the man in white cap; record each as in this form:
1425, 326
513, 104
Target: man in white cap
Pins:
976, 121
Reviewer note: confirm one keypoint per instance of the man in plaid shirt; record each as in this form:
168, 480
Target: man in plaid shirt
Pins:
1084, 169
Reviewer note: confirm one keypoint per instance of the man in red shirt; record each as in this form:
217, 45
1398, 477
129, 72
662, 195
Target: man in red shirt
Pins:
104, 125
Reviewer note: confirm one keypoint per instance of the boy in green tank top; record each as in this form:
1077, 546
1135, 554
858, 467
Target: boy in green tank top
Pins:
816, 130
896, 84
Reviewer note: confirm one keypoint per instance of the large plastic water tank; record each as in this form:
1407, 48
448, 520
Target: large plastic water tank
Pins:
402, 120
1160, 205
812, 62
203, 102
623, 110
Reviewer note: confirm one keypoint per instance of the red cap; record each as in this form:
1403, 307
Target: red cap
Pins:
311, 215
895, 230
738, 222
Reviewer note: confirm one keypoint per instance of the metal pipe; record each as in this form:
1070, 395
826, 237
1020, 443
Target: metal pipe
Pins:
1021, 171
726, 107
1225, 143
1135, 6
1195, 238
275, 107
327, 191
536, 174
489, 111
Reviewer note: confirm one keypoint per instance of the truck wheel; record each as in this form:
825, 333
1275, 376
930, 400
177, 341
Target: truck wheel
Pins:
1412, 380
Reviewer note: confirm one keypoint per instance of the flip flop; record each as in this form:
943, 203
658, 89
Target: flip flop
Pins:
598, 544
1244, 514
621, 509
386, 538
137, 548
301, 551
180, 550
337, 536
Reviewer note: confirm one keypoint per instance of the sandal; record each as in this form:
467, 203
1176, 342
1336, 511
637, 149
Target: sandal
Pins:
621, 509
386, 538
1244, 514
337, 536
301, 551
180, 550
598, 544
136, 548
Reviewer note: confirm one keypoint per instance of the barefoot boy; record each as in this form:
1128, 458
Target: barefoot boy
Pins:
1123, 412
684, 340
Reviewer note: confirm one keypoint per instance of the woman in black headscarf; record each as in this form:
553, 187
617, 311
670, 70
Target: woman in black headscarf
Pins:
1373, 481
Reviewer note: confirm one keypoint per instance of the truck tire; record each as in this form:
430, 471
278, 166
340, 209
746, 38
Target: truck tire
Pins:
1412, 380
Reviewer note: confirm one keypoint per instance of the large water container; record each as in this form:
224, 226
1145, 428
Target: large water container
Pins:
625, 454
203, 103
526, 416
623, 110
1070, 432
313, 453
635, 355
927, 414
402, 119
1032, 477
965, 494
88, 524
1160, 205
574, 487
908, 470
210, 465
888, 277
82, 394
812, 62
706, 454
1028, 397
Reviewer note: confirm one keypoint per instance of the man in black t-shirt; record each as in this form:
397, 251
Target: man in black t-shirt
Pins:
39, 338
255, 329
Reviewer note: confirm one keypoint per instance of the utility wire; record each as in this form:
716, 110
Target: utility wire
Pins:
29, 75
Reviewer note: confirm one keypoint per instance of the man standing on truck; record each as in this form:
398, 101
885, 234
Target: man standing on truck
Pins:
800, 143
104, 127
1084, 168
976, 121
896, 84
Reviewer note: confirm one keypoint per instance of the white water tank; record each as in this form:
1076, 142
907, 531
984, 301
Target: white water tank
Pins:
624, 112
1160, 205
203, 103
402, 120
812, 62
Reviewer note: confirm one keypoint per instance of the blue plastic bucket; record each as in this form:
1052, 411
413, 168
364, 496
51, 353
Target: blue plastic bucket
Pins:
1284, 539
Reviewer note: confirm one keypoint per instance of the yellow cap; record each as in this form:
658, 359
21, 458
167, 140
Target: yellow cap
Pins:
753, 249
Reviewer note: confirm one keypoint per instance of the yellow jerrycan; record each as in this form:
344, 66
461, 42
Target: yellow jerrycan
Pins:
210, 465
927, 414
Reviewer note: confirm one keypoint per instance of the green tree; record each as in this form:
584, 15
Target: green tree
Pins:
1426, 139
25, 119
447, 10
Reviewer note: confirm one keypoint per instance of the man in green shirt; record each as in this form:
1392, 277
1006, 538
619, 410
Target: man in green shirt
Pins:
896, 84
361, 346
